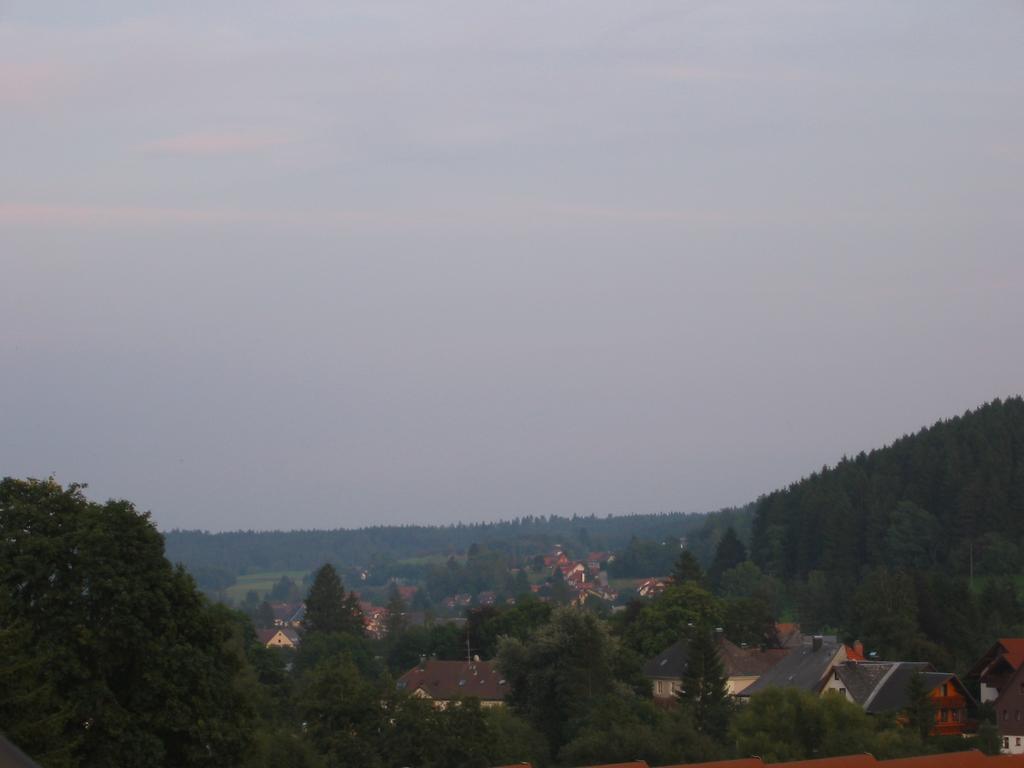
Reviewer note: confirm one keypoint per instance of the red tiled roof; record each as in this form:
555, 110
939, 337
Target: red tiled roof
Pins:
1014, 650
846, 761
444, 680
634, 764
972, 758
747, 762
855, 652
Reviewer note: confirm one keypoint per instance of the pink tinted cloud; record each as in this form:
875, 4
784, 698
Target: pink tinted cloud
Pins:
31, 83
104, 216
215, 143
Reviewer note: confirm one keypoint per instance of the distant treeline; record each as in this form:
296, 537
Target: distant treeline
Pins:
240, 552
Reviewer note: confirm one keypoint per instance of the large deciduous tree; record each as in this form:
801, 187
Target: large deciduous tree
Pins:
560, 670
139, 669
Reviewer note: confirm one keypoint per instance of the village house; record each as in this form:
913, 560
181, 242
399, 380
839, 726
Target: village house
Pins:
743, 667
288, 614
651, 587
1009, 707
279, 637
443, 682
994, 670
1000, 676
807, 666
374, 619
882, 687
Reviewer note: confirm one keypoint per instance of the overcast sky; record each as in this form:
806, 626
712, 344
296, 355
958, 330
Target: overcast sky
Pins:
323, 264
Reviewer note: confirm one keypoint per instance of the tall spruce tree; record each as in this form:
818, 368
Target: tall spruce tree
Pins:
396, 621
687, 569
729, 553
704, 690
329, 608
920, 712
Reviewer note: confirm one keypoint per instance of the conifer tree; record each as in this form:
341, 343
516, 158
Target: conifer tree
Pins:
329, 608
395, 623
687, 569
920, 711
729, 553
704, 689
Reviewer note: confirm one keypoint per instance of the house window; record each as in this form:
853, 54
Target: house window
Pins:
956, 715
842, 691
1018, 741
661, 687
945, 715
1006, 715
945, 689
1006, 742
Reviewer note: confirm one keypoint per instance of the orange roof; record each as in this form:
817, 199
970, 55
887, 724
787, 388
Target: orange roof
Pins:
747, 762
1006, 761
634, 764
972, 758
846, 761
855, 652
1014, 650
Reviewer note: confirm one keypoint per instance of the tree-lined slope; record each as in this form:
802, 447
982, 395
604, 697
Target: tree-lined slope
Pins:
947, 497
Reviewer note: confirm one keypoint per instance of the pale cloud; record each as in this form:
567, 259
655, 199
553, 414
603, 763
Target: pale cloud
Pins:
32, 83
216, 143
32, 215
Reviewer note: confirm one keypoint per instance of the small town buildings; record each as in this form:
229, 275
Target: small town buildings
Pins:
883, 687
651, 587
445, 681
994, 670
743, 667
807, 666
288, 614
1001, 682
1009, 708
374, 619
279, 637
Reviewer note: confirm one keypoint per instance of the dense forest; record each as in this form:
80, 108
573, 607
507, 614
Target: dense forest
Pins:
950, 495
914, 548
240, 552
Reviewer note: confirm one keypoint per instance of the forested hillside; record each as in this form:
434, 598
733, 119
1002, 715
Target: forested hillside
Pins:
246, 551
937, 499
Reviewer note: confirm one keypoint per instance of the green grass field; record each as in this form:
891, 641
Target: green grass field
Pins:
262, 582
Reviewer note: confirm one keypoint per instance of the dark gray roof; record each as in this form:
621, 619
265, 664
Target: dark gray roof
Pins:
862, 677
803, 667
891, 695
670, 663
12, 757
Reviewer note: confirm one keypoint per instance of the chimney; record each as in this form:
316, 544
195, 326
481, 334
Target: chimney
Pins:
816, 643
